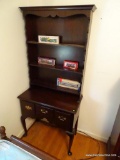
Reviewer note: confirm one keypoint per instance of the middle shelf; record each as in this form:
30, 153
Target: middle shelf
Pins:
57, 67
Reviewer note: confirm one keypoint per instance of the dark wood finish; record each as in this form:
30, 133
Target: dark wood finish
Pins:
62, 112
117, 149
2, 133
44, 100
50, 98
66, 10
113, 145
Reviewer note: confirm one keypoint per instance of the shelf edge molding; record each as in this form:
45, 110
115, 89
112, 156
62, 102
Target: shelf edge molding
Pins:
62, 11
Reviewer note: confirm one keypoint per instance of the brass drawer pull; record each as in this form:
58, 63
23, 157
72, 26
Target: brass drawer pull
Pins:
28, 107
44, 111
61, 118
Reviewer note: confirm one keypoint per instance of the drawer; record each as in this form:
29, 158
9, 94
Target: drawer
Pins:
28, 109
44, 114
63, 120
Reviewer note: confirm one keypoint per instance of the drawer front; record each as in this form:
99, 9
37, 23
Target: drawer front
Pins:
63, 120
44, 114
28, 109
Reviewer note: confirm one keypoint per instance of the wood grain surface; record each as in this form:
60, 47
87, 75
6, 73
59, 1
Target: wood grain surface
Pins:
55, 142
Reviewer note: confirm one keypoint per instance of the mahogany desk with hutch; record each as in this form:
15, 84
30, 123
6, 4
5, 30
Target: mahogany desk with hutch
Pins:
44, 100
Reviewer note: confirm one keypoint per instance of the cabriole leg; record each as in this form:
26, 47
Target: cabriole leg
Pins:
24, 125
71, 136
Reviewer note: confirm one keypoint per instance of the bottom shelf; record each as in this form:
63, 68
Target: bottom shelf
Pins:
55, 87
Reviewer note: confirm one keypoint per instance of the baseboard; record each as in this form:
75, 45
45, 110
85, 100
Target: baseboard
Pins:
29, 123
103, 139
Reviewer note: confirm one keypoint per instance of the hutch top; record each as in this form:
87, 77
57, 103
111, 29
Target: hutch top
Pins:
71, 24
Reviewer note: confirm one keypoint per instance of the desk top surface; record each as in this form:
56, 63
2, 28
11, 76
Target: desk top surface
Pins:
50, 98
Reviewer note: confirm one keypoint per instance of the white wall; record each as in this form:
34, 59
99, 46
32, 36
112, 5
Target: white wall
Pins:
101, 85
101, 89
13, 65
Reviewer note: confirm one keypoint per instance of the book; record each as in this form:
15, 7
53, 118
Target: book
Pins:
46, 61
48, 39
66, 83
70, 65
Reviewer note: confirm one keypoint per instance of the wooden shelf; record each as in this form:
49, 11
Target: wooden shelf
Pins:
54, 87
61, 44
57, 67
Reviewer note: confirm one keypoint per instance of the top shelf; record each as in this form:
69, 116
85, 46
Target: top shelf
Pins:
61, 44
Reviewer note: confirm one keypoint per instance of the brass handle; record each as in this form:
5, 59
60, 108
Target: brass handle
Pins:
62, 118
28, 107
44, 111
